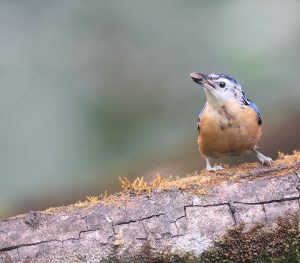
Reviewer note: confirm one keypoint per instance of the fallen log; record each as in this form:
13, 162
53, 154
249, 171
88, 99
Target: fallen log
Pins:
206, 217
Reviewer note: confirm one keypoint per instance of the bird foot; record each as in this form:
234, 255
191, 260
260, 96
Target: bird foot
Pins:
214, 169
264, 159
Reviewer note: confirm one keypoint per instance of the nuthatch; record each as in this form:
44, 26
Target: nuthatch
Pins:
229, 123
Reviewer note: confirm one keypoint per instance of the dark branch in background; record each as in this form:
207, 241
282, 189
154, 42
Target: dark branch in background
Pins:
203, 217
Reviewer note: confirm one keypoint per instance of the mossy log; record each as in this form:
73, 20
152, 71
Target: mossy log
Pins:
171, 220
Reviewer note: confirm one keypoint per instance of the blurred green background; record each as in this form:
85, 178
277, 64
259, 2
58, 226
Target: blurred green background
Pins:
92, 90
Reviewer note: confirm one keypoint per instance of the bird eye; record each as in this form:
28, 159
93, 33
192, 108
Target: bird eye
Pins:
222, 84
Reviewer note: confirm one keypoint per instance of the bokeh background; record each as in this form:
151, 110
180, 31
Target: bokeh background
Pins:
93, 90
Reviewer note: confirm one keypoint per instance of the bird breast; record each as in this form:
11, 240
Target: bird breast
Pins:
229, 129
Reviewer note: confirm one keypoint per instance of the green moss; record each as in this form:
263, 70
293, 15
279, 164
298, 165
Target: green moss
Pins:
279, 243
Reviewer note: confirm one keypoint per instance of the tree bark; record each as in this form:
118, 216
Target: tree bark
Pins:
177, 219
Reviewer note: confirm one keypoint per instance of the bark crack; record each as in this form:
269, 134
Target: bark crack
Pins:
138, 220
268, 202
32, 244
263, 208
297, 182
146, 232
232, 211
18, 252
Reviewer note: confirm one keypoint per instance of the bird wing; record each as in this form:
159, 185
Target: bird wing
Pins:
256, 109
199, 117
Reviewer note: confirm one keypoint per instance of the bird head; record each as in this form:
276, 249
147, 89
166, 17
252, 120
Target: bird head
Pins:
219, 88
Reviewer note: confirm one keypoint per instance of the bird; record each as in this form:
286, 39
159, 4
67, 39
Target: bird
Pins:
229, 123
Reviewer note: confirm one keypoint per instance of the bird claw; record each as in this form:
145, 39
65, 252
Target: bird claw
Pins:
215, 168
264, 159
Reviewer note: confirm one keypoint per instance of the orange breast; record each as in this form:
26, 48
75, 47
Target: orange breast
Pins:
230, 130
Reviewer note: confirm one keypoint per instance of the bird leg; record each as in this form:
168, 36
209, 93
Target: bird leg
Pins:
263, 159
209, 168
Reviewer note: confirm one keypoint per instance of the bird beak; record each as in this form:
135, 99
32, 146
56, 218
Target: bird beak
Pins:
201, 79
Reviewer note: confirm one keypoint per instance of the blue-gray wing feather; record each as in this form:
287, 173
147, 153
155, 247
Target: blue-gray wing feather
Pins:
254, 107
